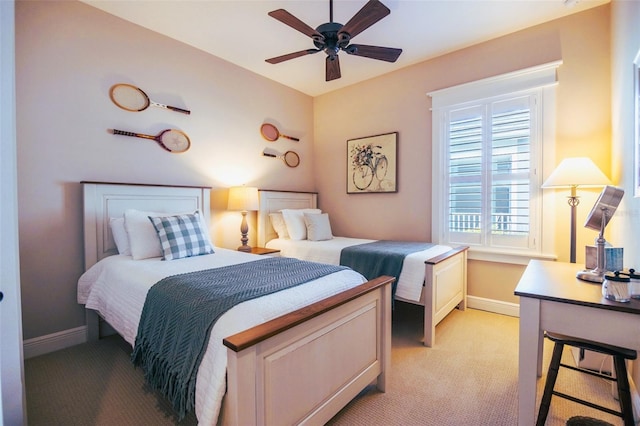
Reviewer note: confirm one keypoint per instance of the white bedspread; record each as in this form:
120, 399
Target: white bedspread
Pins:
409, 282
117, 286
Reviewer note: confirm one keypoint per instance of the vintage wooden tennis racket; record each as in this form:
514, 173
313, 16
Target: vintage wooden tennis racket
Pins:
172, 140
132, 98
290, 158
271, 133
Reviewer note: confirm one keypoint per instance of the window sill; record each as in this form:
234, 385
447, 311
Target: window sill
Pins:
485, 255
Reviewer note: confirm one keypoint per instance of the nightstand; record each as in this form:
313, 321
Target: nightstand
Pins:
265, 251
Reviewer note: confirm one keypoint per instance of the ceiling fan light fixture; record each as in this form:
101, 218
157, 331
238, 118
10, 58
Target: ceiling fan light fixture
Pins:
331, 37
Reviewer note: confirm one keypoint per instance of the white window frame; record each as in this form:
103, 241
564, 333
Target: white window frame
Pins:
541, 82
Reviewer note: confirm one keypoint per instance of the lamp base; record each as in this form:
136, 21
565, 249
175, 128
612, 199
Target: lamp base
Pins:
591, 276
245, 249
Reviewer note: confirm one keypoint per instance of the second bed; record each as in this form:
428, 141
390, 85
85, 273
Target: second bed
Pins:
435, 278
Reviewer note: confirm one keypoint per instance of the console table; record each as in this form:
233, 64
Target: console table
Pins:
553, 299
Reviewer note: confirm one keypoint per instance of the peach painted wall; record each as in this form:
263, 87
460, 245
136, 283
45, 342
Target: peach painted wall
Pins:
68, 54
398, 102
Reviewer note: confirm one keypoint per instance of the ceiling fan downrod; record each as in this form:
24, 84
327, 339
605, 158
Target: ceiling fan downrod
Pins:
330, 10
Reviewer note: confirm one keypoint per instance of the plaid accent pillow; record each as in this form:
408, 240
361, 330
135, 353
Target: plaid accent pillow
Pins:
181, 236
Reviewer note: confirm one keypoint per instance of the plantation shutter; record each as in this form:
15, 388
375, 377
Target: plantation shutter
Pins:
465, 145
489, 173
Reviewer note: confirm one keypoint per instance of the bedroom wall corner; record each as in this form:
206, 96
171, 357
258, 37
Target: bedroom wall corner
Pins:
398, 102
63, 74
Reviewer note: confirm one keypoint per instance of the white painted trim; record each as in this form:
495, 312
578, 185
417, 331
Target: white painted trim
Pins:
54, 342
495, 306
525, 79
12, 390
540, 82
487, 255
75, 336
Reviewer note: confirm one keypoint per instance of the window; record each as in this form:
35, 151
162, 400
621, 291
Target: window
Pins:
487, 144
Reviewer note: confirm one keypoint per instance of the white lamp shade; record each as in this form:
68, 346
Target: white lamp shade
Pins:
576, 171
243, 198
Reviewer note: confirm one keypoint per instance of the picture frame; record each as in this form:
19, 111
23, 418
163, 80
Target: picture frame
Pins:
372, 164
636, 125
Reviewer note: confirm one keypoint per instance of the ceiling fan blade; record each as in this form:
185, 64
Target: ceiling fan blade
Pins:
290, 20
293, 55
332, 68
388, 54
371, 12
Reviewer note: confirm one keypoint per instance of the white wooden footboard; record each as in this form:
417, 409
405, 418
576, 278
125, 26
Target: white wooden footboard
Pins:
302, 368
445, 288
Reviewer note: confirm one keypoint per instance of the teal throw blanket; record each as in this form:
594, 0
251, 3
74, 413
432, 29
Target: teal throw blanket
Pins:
180, 311
380, 257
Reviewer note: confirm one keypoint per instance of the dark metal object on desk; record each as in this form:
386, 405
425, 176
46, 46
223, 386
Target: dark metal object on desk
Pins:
598, 218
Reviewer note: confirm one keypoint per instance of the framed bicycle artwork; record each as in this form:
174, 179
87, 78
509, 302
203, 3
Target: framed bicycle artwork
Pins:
372, 164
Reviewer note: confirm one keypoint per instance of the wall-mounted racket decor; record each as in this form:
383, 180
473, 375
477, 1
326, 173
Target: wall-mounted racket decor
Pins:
271, 133
172, 140
132, 98
290, 158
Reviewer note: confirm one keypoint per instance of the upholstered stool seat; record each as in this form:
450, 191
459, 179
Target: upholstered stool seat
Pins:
619, 356
586, 421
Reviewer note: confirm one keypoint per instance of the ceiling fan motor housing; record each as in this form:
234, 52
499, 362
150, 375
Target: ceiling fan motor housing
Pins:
330, 42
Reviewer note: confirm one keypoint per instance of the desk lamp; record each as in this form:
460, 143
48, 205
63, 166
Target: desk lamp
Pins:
598, 219
571, 173
243, 198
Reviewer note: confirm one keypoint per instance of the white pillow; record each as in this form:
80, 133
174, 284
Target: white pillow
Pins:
277, 221
318, 226
294, 219
120, 235
143, 238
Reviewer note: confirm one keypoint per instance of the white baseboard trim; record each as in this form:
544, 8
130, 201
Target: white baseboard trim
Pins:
54, 342
74, 336
492, 305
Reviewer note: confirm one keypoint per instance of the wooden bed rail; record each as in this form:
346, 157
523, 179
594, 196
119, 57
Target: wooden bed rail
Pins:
305, 366
446, 255
261, 332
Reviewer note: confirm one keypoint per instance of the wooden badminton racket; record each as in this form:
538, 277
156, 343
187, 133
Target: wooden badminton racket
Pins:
132, 98
172, 140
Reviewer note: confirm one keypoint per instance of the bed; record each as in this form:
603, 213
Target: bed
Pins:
339, 323
435, 278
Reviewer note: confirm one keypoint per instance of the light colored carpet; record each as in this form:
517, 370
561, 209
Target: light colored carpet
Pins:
468, 378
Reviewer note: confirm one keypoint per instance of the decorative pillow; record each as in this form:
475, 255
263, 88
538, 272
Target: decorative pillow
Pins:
277, 221
181, 236
294, 219
318, 226
143, 237
120, 235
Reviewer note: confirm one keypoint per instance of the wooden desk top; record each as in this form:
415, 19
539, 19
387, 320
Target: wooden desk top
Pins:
556, 281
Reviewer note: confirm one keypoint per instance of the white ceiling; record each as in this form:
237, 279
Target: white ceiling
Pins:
241, 32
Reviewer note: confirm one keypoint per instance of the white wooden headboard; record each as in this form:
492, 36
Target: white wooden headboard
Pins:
274, 201
103, 201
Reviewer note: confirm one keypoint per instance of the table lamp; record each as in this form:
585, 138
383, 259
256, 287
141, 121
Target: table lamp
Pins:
571, 173
243, 198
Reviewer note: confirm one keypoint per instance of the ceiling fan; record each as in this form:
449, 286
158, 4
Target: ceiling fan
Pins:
332, 37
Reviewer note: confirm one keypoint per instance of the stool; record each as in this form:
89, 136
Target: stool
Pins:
619, 355
586, 421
